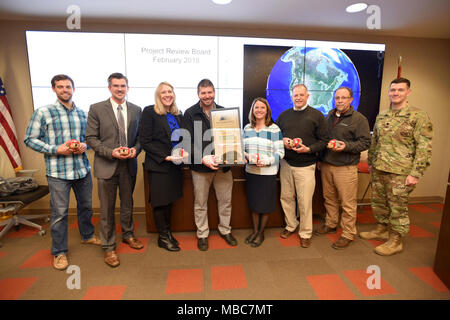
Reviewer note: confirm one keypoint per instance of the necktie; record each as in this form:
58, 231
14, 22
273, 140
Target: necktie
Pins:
121, 121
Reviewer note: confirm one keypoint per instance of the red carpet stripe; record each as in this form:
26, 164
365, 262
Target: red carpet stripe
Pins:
184, 281
105, 293
292, 241
14, 288
422, 208
228, 277
429, 277
359, 279
417, 232
187, 242
330, 287
23, 232
42, 258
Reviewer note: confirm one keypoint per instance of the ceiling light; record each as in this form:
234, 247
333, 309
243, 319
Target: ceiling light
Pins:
357, 7
222, 1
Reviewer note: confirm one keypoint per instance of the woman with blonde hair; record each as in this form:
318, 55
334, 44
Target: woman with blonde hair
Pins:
158, 136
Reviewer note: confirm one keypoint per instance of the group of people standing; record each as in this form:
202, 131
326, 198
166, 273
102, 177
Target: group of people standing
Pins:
400, 150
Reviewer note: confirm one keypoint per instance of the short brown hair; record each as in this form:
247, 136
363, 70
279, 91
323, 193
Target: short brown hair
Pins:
401, 80
117, 75
251, 117
204, 83
60, 77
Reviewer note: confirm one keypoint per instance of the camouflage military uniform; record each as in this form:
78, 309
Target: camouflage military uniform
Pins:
401, 146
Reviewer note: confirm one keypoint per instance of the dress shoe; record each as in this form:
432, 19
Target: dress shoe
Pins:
111, 259
285, 234
342, 243
250, 238
257, 241
229, 239
324, 229
94, 240
305, 242
202, 244
166, 243
60, 262
134, 243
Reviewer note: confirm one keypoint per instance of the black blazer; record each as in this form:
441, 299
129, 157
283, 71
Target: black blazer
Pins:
155, 139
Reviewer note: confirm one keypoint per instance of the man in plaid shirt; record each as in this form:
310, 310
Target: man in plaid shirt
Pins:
52, 131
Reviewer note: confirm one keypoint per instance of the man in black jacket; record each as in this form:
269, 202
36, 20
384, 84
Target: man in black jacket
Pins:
349, 130
297, 173
205, 170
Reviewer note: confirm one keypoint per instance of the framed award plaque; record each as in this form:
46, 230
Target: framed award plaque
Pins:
227, 136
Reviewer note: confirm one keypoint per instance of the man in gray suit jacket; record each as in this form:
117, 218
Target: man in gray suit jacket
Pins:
112, 129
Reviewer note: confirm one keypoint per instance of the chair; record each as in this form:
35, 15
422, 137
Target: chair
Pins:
363, 167
11, 205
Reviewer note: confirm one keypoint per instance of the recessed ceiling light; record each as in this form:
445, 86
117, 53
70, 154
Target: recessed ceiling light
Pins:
222, 1
357, 7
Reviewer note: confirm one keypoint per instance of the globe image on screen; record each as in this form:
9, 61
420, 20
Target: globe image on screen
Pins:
322, 70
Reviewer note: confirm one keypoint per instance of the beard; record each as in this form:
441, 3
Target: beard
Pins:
65, 100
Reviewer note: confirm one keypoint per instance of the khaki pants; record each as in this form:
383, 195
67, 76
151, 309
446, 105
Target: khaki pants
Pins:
297, 182
340, 187
223, 185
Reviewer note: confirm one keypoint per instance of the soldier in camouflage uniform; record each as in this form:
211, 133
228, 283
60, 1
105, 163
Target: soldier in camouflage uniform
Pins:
398, 156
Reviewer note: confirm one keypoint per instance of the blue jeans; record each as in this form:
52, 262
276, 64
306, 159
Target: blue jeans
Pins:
59, 206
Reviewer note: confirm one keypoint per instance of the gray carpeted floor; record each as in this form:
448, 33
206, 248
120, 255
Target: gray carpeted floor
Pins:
278, 270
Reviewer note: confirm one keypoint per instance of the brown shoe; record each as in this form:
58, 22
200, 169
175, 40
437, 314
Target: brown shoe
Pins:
60, 262
111, 259
305, 242
342, 243
94, 240
324, 229
285, 233
133, 243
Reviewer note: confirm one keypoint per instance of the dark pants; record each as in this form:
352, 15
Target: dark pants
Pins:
107, 191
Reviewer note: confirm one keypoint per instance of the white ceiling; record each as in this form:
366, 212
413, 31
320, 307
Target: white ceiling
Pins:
412, 18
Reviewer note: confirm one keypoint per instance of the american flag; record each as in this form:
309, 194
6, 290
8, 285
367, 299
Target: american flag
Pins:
8, 136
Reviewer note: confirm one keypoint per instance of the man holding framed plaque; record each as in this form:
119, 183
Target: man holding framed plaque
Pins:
205, 167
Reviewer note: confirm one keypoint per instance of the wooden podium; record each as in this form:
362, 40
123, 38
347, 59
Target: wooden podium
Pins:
183, 208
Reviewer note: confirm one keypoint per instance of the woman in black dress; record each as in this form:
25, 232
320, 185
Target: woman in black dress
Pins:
158, 135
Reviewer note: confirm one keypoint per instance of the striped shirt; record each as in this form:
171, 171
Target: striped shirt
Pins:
268, 144
51, 126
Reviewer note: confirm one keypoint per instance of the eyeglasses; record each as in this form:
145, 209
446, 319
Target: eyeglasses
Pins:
341, 98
